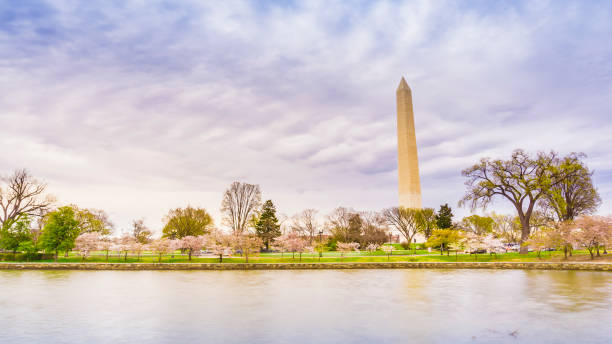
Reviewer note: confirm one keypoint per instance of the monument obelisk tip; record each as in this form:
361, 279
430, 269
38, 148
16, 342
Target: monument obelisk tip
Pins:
403, 85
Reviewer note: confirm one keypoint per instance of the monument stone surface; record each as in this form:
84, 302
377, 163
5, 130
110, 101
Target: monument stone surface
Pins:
408, 161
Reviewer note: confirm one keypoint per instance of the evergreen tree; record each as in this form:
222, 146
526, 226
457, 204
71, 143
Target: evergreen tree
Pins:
61, 231
267, 226
444, 218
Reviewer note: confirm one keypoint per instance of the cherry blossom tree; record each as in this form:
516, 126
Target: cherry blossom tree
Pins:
161, 246
220, 244
125, 244
295, 243
247, 244
105, 245
472, 242
87, 242
372, 247
192, 243
593, 232
344, 247
137, 248
388, 249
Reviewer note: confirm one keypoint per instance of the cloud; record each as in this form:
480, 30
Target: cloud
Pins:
137, 107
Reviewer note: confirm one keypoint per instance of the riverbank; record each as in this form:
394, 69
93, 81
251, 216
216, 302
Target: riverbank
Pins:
585, 266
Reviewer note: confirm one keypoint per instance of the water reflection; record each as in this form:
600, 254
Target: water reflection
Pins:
571, 291
365, 306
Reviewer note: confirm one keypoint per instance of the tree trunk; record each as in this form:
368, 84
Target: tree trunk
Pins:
189, 255
524, 237
591, 252
597, 250
55, 256
125, 257
66, 254
159, 259
220, 257
107, 256
441, 249
565, 251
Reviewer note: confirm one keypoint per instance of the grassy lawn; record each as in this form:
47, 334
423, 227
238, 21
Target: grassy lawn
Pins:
581, 255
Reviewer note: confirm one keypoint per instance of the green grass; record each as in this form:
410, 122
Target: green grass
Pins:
329, 257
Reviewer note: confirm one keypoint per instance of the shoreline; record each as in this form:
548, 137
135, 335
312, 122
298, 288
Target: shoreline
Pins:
582, 266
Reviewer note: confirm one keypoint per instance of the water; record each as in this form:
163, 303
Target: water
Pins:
330, 306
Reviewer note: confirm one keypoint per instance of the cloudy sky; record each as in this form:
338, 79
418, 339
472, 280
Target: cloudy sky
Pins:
139, 106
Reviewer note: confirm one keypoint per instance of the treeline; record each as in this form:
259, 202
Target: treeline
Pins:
553, 196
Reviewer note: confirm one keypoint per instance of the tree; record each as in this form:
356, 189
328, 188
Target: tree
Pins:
339, 222
592, 232
141, 233
293, 243
21, 194
373, 229
427, 221
480, 225
388, 249
220, 244
305, 223
60, 231
239, 203
267, 227
473, 242
105, 244
93, 220
188, 221
11, 237
574, 196
405, 220
444, 217
507, 227
87, 242
137, 248
161, 246
539, 240
247, 244
192, 243
124, 244
523, 181
344, 247
444, 238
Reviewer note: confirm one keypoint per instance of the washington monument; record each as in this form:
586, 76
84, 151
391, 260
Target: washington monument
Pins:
408, 161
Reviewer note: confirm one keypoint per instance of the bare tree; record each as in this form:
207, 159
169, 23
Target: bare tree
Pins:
339, 222
405, 220
305, 223
21, 194
239, 203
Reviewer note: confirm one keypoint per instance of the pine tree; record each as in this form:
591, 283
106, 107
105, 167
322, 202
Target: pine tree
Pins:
267, 226
444, 218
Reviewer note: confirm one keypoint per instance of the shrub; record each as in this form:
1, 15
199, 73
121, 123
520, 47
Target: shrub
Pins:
332, 244
405, 245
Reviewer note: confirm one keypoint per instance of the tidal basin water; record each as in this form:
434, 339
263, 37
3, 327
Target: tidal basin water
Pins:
330, 306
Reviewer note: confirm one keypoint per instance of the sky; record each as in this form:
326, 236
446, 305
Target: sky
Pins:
136, 107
